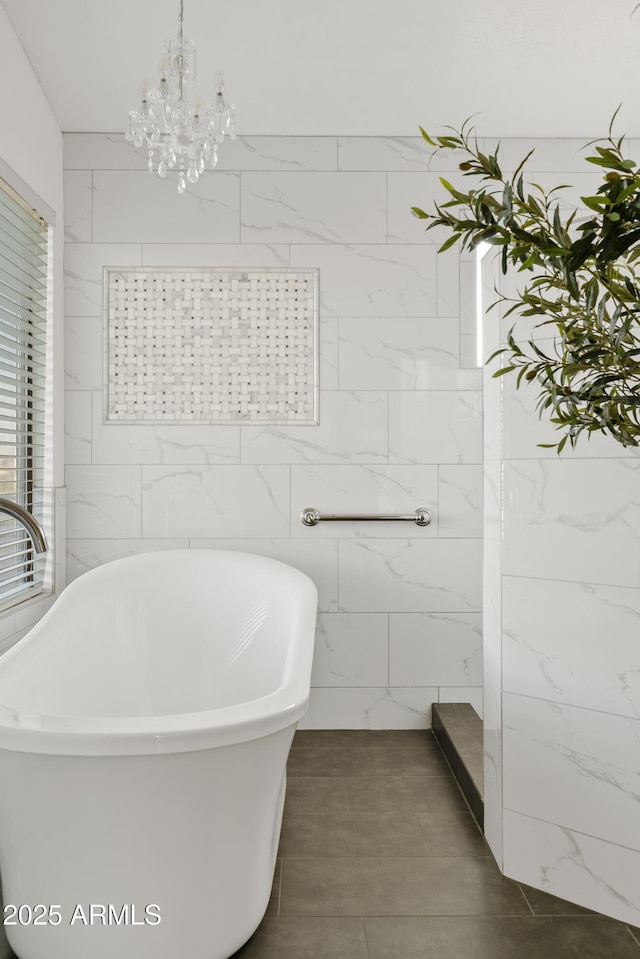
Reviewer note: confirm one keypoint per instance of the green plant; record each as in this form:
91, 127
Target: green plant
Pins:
585, 282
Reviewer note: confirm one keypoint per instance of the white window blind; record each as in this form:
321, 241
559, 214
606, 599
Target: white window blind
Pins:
23, 309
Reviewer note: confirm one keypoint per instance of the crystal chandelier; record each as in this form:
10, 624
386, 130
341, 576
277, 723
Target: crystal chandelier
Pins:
180, 135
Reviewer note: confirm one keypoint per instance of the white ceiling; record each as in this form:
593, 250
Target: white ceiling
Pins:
359, 67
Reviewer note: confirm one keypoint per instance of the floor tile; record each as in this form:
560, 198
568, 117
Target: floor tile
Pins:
411, 737
397, 887
366, 761
349, 849
439, 797
351, 835
453, 837
306, 939
463, 937
544, 904
329, 738
315, 794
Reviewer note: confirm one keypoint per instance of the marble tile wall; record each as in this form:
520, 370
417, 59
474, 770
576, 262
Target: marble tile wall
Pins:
399, 623
561, 631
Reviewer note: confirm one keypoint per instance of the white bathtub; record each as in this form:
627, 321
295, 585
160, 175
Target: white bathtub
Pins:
145, 724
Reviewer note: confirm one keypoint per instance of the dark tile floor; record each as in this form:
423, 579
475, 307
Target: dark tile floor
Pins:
380, 859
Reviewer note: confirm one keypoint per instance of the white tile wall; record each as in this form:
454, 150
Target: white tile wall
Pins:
549, 154
554, 753
370, 708
188, 443
78, 208
372, 280
279, 153
215, 501
435, 427
329, 353
134, 207
448, 282
86, 151
574, 866
313, 208
402, 353
410, 575
215, 254
83, 357
468, 311
460, 500
83, 273
77, 427
443, 649
352, 649
421, 190
103, 501
402, 154
561, 521
562, 691
524, 431
388, 327
592, 673
85, 554
352, 429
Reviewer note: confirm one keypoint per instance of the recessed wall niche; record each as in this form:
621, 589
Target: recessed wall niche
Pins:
211, 345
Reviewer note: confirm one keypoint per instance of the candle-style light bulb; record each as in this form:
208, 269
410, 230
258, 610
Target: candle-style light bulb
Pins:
219, 82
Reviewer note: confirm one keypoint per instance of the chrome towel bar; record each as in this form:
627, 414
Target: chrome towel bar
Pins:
311, 517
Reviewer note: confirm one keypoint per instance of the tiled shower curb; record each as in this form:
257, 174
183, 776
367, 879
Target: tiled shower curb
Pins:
458, 731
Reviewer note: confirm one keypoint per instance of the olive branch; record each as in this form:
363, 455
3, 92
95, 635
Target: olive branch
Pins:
584, 282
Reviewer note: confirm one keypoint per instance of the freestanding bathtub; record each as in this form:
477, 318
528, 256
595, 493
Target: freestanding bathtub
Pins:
145, 724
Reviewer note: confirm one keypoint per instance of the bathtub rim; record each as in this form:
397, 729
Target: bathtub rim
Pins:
171, 732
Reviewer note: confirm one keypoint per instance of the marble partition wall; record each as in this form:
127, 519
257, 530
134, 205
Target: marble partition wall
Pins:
562, 636
399, 424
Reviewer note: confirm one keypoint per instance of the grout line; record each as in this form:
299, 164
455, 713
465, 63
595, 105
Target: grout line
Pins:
422, 833
389, 650
422, 915
386, 187
635, 938
364, 932
525, 898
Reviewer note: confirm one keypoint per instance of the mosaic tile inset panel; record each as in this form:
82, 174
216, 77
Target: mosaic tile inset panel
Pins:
211, 345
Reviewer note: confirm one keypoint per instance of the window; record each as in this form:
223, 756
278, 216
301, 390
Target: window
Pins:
23, 314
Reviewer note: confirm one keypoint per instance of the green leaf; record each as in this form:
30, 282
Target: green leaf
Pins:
448, 243
596, 203
452, 190
426, 136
